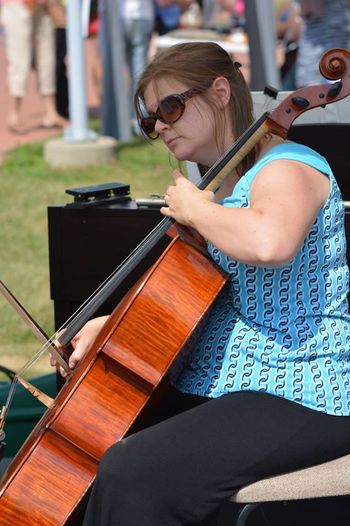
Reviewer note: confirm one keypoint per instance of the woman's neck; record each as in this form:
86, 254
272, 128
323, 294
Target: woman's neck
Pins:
268, 142
226, 189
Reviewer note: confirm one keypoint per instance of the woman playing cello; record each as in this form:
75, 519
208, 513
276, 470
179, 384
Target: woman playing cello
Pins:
266, 387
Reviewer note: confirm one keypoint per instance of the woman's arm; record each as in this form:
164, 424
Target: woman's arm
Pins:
286, 197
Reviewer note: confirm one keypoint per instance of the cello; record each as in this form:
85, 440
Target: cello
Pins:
115, 384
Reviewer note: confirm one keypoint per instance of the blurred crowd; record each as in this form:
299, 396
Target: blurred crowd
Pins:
305, 30
35, 37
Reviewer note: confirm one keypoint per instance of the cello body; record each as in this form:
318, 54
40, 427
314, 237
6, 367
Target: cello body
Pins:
111, 388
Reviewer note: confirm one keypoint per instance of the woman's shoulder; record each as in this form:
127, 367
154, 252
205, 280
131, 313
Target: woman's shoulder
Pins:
288, 150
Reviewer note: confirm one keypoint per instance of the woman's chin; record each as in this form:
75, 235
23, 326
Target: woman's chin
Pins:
181, 155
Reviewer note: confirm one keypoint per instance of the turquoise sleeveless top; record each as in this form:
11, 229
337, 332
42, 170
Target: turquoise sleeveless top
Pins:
286, 330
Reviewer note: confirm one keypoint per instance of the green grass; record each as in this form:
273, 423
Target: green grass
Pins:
27, 187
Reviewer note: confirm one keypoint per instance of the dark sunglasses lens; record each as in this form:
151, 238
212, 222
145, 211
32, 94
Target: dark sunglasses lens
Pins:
147, 125
171, 108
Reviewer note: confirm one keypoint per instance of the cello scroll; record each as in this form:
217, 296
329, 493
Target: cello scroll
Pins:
334, 66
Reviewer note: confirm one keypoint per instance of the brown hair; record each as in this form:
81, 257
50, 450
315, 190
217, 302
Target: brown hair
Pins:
197, 65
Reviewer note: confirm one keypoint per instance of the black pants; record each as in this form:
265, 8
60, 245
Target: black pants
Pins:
179, 471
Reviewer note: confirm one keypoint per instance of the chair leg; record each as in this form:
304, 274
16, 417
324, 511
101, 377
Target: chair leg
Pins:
244, 513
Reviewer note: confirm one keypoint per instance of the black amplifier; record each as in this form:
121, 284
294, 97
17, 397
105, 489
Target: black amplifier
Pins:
87, 243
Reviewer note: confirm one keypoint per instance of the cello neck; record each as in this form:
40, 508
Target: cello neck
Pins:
212, 180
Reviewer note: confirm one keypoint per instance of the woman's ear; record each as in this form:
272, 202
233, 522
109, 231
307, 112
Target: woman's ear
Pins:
222, 91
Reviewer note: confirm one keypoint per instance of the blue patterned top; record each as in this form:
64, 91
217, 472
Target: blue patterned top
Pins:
286, 330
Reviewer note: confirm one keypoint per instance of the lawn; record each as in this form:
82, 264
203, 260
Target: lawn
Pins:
28, 187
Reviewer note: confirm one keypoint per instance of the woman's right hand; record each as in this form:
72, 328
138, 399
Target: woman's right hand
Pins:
81, 343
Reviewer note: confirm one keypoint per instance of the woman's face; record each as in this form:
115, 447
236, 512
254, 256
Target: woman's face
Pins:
191, 138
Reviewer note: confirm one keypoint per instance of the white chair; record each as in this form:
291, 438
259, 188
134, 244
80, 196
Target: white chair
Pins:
330, 479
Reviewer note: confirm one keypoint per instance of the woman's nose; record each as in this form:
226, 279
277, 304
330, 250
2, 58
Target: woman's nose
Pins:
160, 126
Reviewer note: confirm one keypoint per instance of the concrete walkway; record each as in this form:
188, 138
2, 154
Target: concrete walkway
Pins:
32, 108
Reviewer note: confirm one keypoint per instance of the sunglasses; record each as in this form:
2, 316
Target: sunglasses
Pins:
170, 110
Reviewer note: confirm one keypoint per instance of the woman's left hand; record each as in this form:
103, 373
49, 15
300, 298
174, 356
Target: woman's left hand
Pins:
182, 198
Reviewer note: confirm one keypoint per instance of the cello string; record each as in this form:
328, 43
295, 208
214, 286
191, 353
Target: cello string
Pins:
8, 402
215, 174
235, 153
35, 357
215, 184
15, 381
32, 324
111, 283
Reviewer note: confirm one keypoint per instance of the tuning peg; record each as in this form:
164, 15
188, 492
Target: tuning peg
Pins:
301, 102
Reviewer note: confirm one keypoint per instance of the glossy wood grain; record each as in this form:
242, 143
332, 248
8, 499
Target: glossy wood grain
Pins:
110, 389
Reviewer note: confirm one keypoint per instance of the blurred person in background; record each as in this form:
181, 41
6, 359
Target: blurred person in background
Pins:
57, 10
288, 28
324, 27
137, 24
168, 14
30, 40
223, 15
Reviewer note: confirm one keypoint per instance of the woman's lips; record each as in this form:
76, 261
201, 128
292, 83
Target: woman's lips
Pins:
171, 141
